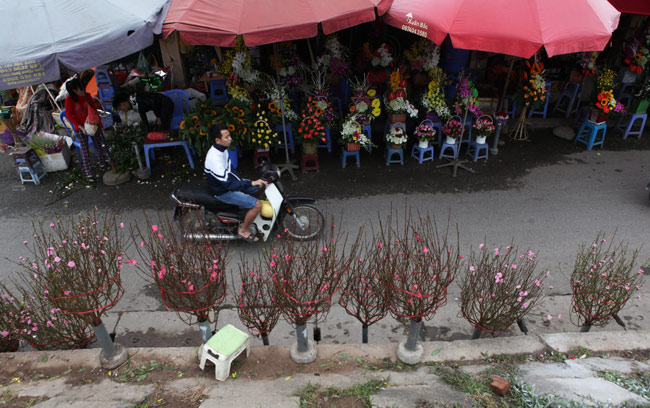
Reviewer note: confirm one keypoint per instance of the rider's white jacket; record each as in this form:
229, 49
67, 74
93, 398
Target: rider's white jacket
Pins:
219, 174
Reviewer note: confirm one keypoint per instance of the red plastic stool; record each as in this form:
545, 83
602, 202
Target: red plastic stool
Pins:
306, 158
258, 155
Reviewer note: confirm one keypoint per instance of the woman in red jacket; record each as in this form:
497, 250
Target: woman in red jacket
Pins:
76, 109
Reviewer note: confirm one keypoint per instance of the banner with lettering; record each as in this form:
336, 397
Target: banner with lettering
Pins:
30, 72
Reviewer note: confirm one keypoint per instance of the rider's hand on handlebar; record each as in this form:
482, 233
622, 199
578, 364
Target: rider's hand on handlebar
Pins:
259, 183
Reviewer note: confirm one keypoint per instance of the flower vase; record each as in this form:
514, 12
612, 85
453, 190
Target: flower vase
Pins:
597, 116
480, 139
450, 140
309, 147
353, 147
423, 144
394, 118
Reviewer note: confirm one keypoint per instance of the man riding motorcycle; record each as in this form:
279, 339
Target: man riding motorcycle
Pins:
226, 185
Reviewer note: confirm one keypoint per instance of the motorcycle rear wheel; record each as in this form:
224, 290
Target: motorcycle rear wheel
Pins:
306, 223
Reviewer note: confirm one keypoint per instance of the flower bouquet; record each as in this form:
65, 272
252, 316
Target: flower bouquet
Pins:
237, 65
288, 65
365, 106
452, 130
196, 124
382, 57
311, 130
635, 55
532, 92
262, 137
335, 61
433, 100
277, 101
423, 56
484, 127
321, 99
501, 117
605, 102
425, 133
396, 136
395, 100
467, 96
587, 63
641, 98
353, 137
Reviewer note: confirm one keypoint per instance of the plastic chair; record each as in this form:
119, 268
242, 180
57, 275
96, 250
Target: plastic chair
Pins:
589, 134
218, 91
542, 112
150, 145
290, 141
447, 146
29, 166
478, 151
306, 160
568, 98
421, 154
625, 95
223, 348
106, 85
181, 106
327, 145
73, 135
345, 154
626, 124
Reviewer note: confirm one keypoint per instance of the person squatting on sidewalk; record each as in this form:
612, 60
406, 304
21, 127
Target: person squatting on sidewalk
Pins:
77, 105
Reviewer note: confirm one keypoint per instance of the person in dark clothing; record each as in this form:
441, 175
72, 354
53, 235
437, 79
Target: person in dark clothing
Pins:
143, 102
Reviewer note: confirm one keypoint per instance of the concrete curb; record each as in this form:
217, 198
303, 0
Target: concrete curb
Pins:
437, 351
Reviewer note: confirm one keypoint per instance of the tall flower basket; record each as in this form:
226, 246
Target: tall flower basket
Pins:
484, 127
352, 136
425, 133
453, 129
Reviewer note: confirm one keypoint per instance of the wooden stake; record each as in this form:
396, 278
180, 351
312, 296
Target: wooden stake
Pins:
520, 132
311, 53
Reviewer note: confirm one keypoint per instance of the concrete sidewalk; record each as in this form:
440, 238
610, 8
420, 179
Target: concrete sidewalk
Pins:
567, 365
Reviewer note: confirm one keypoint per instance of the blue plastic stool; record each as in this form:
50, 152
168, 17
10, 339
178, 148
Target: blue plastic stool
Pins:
218, 91
344, 157
589, 134
148, 150
421, 153
367, 129
475, 150
390, 152
289, 130
625, 95
542, 112
181, 106
631, 118
445, 147
29, 166
327, 145
568, 98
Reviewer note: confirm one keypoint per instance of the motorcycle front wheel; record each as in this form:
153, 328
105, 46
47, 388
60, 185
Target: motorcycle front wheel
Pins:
307, 222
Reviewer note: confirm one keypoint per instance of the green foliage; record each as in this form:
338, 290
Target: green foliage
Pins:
121, 144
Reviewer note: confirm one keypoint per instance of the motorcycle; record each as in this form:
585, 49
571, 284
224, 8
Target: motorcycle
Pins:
298, 217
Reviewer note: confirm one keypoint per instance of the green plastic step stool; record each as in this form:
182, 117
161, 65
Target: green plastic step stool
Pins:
222, 348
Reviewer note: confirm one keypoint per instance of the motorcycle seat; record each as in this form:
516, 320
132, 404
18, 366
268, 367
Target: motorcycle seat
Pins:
203, 196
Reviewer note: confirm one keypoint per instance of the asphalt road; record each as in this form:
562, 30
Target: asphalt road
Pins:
549, 206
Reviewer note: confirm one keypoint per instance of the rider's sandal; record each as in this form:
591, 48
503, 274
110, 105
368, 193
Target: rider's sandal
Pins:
250, 239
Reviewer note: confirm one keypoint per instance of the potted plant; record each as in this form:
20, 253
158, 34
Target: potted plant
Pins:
395, 100
352, 136
121, 143
452, 130
425, 133
433, 100
396, 136
605, 102
484, 127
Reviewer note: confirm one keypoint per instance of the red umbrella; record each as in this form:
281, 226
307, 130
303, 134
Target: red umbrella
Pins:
517, 28
217, 22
